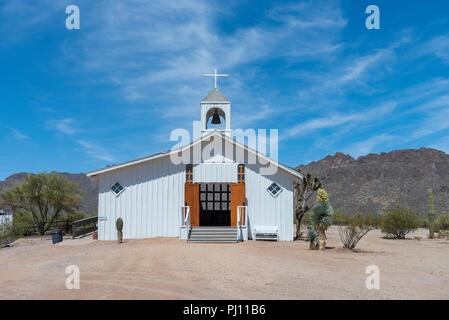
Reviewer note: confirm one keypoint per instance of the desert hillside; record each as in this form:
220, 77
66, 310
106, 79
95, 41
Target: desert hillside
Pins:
377, 181
368, 184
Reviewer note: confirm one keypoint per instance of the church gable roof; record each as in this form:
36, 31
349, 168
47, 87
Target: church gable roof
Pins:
215, 95
168, 152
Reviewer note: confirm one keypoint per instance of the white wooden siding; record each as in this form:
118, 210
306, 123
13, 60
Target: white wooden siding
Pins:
154, 193
149, 205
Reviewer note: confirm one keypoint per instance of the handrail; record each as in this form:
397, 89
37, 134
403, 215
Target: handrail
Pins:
241, 210
185, 211
84, 226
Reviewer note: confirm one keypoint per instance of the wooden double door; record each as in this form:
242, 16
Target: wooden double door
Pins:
214, 204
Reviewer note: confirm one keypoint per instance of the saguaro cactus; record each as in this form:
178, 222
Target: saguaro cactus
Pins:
431, 214
119, 226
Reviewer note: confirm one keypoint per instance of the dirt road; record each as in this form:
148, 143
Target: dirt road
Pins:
164, 268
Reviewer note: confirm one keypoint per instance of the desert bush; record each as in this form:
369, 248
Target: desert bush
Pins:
442, 223
423, 222
443, 234
6, 233
398, 222
339, 218
353, 228
22, 224
77, 215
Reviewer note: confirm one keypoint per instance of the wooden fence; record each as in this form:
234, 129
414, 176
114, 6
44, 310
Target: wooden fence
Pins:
84, 226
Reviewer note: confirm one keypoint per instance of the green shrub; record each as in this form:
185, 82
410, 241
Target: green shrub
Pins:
77, 215
22, 224
6, 233
423, 222
339, 218
442, 223
398, 222
443, 234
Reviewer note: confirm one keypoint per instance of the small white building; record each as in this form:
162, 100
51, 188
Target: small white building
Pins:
5, 217
221, 190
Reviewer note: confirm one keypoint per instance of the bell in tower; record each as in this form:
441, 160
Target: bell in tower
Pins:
216, 118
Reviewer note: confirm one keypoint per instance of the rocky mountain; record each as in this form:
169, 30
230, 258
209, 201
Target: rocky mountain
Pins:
368, 184
89, 186
376, 182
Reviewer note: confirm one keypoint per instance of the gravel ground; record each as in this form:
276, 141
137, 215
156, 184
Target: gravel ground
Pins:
165, 268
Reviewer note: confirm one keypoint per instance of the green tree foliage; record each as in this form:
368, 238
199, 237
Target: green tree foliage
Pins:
431, 214
303, 192
321, 217
353, 228
22, 224
398, 222
45, 197
6, 233
76, 215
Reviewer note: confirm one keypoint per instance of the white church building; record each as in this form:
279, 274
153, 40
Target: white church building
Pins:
213, 189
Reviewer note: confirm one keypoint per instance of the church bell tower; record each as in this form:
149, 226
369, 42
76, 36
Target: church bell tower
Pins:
214, 106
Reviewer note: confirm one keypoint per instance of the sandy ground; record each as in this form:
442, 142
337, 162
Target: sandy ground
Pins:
165, 268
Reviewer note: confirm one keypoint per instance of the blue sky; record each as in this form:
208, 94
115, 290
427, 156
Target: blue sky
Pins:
113, 91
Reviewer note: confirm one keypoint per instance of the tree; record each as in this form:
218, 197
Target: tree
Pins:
303, 192
431, 214
399, 222
45, 197
321, 217
353, 228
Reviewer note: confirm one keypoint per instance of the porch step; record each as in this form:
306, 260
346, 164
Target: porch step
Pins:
213, 234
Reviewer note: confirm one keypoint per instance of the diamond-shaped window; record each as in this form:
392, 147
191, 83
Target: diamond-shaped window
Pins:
117, 188
274, 189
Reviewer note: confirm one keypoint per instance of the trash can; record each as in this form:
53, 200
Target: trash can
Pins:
56, 235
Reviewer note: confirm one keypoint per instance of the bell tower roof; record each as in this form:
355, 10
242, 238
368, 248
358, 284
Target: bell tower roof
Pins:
216, 96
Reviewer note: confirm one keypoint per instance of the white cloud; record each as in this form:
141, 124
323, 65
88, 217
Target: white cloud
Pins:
149, 46
64, 126
18, 135
336, 120
365, 147
96, 151
438, 46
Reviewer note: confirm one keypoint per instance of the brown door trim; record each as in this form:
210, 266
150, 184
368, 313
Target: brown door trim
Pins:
237, 199
192, 199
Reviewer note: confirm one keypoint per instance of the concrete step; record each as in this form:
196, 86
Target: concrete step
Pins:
213, 234
212, 241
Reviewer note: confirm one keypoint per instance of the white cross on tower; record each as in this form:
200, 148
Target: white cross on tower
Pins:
215, 75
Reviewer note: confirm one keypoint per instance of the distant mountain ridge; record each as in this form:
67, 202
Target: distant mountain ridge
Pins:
368, 184
89, 186
376, 182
